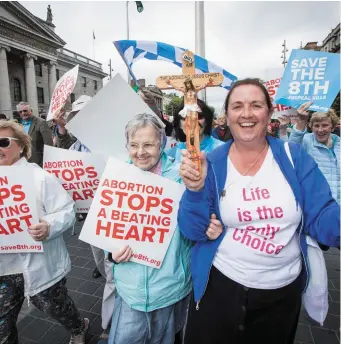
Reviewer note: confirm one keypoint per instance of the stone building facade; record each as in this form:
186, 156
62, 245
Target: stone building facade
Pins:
155, 91
331, 43
32, 59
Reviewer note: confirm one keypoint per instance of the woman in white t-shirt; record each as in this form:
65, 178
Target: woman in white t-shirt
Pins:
250, 267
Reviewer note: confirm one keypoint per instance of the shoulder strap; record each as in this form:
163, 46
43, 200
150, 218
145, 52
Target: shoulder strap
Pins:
287, 150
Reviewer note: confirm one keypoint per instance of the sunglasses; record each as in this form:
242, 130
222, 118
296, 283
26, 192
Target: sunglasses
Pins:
5, 142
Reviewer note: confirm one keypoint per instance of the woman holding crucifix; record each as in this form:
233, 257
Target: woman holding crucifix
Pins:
270, 205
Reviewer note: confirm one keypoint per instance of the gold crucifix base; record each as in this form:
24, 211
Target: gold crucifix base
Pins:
193, 139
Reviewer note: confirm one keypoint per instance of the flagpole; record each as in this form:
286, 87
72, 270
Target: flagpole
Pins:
200, 36
127, 19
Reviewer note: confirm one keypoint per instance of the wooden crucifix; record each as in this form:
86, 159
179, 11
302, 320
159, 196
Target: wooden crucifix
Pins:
190, 84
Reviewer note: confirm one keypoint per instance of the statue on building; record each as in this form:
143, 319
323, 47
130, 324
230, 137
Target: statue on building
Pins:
49, 14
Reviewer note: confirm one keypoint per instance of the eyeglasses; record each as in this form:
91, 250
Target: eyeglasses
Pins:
23, 111
147, 147
5, 142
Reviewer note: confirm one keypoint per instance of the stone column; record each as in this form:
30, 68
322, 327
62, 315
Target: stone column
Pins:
52, 77
5, 93
31, 85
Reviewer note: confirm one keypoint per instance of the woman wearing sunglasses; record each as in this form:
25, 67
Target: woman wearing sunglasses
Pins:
205, 118
38, 276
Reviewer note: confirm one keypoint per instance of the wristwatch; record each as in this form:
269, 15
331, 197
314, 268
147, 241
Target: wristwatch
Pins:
111, 259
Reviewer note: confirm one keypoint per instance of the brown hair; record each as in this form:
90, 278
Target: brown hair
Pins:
248, 81
20, 134
189, 84
320, 116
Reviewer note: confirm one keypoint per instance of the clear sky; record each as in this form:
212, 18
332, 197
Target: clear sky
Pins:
245, 38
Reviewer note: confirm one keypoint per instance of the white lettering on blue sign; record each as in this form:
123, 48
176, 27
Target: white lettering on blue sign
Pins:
307, 76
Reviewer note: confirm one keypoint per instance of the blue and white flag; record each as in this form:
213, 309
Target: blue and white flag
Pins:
310, 76
132, 51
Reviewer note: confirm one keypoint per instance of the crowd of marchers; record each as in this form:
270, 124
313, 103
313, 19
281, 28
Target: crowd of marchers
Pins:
224, 279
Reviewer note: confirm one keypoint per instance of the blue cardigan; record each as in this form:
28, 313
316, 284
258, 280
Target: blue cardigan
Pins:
328, 160
320, 211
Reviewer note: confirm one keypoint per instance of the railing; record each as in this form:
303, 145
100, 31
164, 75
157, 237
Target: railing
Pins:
80, 57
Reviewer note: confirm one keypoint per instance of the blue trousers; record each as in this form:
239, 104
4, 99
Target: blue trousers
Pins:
156, 327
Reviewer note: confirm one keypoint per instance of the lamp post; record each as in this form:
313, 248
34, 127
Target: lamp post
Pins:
139, 7
284, 56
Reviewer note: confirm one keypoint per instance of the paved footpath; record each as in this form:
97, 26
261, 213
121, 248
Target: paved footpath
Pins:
35, 328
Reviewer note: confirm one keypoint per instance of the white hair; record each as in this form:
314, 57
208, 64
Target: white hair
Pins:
23, 104
143, 120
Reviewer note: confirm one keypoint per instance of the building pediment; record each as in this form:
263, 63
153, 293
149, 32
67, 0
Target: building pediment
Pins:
17, 18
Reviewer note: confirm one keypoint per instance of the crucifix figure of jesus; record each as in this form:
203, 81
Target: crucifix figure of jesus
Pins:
191, 107
190, 84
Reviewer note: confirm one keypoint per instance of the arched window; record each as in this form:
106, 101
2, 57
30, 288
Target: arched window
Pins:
16, 90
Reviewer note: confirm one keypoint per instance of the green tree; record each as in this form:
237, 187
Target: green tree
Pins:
174, 103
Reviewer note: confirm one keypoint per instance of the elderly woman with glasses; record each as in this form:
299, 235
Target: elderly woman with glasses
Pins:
150, 305
38, 276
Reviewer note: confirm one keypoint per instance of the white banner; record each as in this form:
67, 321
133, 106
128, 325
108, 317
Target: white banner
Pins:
78, 172
100, 125
18, 211
136, 208
62, 91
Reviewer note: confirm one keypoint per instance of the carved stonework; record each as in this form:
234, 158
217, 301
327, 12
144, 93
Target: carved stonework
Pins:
26, 39
51, 63
9, 7
29, 56
49, 14
15, 8
7, 48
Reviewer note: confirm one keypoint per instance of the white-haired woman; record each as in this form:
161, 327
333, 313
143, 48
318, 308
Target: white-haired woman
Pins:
38, 276
151, 304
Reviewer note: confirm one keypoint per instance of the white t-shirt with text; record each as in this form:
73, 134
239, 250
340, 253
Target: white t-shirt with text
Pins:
260, 249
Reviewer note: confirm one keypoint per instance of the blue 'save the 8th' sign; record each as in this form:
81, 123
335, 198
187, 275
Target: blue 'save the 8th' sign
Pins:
310, 76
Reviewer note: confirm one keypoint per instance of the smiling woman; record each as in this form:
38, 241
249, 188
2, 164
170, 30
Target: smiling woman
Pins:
248, 278
35, 274
14, 143
249, 111
321, 144
145, 141
156, 310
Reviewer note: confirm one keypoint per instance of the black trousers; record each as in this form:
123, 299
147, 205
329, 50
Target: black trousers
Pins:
54, 301
230, 313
